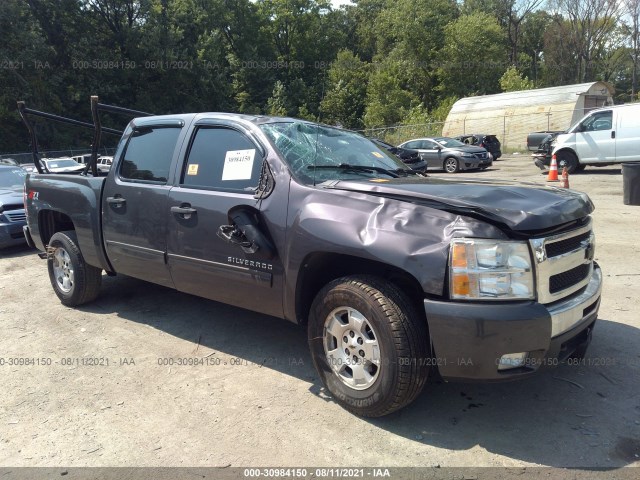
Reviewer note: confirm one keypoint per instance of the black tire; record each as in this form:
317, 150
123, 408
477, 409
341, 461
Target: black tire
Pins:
570, 161
399, 330
74, 281
451, 165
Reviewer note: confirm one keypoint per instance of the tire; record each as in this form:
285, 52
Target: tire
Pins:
451, 165
570, 161
391, 368
74, 281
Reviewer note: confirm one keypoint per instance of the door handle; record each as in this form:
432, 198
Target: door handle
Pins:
185, 211
116, 201
613, 134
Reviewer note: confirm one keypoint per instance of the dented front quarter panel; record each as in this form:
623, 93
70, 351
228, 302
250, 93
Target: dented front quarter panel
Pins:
412, 237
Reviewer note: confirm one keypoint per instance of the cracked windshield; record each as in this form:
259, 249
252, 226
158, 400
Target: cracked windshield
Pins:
317, 153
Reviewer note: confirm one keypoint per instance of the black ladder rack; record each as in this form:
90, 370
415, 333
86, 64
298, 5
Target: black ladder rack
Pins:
96, 126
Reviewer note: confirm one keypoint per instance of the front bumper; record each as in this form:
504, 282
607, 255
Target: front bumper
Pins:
541, 160
473, 163
470, 338
11, 234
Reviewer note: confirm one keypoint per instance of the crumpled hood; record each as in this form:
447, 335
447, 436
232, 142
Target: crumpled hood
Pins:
518, 206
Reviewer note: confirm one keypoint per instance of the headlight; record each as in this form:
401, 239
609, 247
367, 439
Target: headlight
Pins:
490, 270
466, 155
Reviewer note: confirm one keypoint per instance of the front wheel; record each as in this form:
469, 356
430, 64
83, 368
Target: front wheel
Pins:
569, 160
74, 281
369, 345
451, 165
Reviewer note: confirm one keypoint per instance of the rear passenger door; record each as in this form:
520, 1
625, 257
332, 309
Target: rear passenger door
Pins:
221, 172
134, 202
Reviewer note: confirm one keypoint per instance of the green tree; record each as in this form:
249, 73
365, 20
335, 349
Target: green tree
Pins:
346, 95
512, 81
388, 98
276, 105
473, 56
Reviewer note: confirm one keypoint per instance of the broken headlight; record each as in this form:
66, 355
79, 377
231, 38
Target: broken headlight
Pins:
490, 270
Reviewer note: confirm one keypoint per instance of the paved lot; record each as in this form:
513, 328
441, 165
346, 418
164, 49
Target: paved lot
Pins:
99, 391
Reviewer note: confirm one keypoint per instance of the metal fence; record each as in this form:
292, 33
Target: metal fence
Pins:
511, 129
401, 133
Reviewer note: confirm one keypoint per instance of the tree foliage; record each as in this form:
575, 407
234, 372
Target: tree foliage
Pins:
369, 64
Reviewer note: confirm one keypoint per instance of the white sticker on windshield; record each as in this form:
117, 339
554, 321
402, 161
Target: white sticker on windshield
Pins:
238, 164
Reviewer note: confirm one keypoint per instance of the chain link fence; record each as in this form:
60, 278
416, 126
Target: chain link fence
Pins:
401, 133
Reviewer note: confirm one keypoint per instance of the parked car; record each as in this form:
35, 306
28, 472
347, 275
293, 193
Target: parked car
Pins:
488, 142
395, 276
411, 158
104, 163
63, 165
12, 215
605, 136
449, 154
536, 140
82, 159
542, 156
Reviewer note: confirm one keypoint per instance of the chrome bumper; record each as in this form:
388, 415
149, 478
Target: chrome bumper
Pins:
571, 311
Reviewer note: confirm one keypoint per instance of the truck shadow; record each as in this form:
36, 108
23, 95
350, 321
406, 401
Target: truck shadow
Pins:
17, 251
577, 416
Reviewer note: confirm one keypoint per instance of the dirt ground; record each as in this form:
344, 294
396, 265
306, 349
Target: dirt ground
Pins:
97, 389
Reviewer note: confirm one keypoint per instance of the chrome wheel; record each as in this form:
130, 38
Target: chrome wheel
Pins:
451, 165
62, 270
351, 347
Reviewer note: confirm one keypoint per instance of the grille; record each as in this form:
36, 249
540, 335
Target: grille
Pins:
564, 280
16, 216
563, 246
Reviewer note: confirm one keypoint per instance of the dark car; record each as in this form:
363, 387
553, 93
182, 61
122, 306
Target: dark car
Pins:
488, 142
411, 158
449, 154
12, 216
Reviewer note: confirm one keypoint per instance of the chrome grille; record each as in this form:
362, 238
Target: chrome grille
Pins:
16, 215
564, 263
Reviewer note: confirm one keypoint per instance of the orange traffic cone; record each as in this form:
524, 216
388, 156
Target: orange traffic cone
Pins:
553, 170
564, 182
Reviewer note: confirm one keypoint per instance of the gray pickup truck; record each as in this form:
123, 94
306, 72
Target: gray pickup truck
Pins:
396, 276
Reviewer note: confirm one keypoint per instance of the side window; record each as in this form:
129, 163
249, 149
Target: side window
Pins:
222, 159
428, 145
148, 154
598, 121
412, 145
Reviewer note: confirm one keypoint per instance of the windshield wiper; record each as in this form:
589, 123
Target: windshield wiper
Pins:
347, 167
406, 172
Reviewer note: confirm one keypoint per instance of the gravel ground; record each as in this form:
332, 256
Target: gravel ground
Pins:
98, 389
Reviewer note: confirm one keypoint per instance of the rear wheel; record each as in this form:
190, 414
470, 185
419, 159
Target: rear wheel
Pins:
369, 345
451, 165
569, 160
74, 281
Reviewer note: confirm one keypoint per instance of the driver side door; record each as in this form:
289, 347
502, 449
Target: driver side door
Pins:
220, 173
595, 142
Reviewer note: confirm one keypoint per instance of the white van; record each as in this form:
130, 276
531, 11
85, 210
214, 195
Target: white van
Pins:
603, 137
